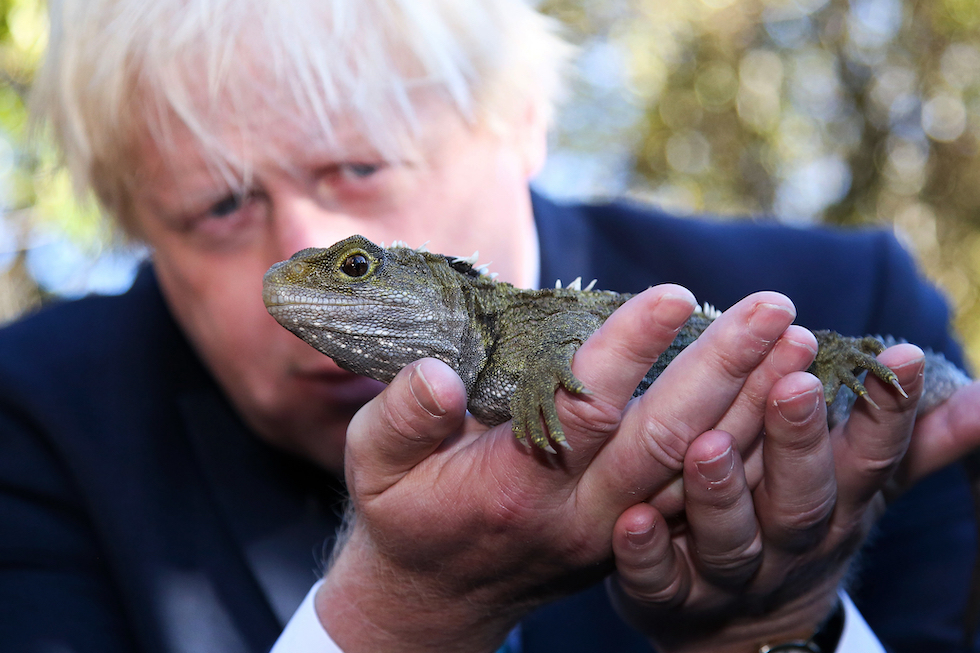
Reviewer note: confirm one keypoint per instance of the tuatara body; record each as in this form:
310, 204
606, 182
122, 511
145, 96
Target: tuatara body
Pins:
375, 310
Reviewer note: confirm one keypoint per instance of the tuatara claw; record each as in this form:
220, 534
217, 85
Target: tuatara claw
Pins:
530, 401
533, 408
839, 357
898, 386
533, 404
546, 369
864, 395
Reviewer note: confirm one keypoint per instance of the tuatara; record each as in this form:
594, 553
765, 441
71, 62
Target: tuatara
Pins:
375, 310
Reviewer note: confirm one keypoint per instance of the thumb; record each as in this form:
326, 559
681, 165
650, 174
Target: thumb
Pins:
424, 404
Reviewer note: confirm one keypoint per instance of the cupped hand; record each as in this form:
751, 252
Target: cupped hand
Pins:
460, 532
760, 563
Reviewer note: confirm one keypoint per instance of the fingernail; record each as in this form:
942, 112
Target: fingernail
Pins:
673, 309
641, 538
919, 360
718, 468
422, 391
796, 357
768, 321
799, 408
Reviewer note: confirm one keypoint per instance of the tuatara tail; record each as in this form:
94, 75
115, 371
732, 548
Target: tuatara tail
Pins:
971, 618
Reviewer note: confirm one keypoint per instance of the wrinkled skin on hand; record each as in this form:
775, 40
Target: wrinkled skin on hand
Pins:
764, 545
461, 532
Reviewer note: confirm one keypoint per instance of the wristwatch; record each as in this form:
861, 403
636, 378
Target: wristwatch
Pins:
825, 640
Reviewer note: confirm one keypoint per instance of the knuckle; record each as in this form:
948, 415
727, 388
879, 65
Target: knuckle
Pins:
802, 528
401, 417
587, 415
804, 523
734, 565
724, 496
805, 442
741, 352
655, 590
665, 440
877, 467
755, 392
734, 362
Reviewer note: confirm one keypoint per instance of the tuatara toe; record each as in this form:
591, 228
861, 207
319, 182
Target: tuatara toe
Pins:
840, 358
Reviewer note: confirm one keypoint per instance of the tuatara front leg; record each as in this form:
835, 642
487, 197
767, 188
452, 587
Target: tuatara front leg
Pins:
547, 367
839, 358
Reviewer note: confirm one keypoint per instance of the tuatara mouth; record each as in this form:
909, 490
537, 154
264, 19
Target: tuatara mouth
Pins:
276, 298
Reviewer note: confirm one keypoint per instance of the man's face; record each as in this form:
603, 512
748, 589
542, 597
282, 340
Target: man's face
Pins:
463, 189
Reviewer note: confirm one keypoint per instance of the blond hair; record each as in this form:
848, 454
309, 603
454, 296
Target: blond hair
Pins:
117, 70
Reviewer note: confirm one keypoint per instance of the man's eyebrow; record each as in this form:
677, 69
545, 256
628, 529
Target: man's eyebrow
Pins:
185, 192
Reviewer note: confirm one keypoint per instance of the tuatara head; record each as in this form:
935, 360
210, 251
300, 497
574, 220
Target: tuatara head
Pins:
373, 310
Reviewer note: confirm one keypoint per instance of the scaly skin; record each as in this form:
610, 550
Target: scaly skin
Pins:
375, 310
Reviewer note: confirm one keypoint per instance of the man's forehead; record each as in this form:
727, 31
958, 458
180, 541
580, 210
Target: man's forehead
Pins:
236, 148
252, 133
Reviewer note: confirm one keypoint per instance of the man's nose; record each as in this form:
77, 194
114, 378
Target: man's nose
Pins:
299, 221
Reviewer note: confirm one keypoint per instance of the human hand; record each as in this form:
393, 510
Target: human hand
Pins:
941, 436
761, 563
460, 532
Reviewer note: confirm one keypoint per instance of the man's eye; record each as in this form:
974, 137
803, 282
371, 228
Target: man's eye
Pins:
227, 206
359, 170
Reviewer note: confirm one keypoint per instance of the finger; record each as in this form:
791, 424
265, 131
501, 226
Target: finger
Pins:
424, 404
799, 491
648, 568
793, 352
875, 440
616, 357
727, 542
611, 364
689, 398
945, 434
752, 463
699, 387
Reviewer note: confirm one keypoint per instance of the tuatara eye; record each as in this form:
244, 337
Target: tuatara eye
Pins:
355, 265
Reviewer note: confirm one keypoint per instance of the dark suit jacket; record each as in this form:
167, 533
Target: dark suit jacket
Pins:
137, 513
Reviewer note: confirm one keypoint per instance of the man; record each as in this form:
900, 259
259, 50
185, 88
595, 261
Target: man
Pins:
174, 454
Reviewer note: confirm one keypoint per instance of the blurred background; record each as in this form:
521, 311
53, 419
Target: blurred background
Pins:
860, 112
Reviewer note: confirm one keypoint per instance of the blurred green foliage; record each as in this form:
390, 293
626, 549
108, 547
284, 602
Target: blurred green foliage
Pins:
36, 197
812, 111
19, 51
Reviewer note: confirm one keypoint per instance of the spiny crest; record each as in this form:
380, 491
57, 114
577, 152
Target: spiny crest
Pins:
708, 311
576, 285
465, 265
